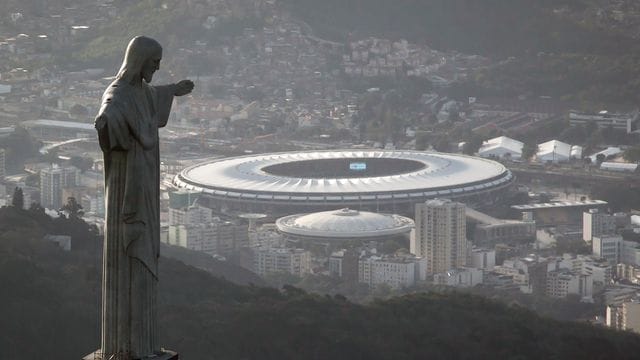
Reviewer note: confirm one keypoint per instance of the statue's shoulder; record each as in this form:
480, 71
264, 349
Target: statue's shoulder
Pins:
118, 90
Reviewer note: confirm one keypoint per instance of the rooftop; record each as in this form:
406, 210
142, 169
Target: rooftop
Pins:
559, 204
344, 223
447, 174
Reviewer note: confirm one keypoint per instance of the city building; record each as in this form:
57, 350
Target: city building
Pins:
52, 180
395, 271
462, 277
556, 213
266, 260
93, 203
600, 270
563, 282
192, 215
517, 272
440, 235
182, 198
597, 223
501, 147
627, 122
214, 238
489, 231
630, 273
618, 295
345, 264
483, 259
625, 316
266, 235
630, 253
607, 247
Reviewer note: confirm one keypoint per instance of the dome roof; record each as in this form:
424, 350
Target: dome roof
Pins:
344, 223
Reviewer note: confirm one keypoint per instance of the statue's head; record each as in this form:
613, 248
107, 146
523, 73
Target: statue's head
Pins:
141, 59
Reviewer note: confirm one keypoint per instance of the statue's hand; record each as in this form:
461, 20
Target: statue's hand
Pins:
183, 87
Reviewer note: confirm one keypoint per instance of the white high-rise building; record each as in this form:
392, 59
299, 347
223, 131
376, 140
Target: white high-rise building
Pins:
52, 181
595, 223
608, 247
440, 235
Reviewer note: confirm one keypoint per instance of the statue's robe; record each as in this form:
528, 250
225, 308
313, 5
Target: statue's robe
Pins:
129, 142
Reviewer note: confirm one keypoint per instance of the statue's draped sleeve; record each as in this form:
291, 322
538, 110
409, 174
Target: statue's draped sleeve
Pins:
131, 129
164, 100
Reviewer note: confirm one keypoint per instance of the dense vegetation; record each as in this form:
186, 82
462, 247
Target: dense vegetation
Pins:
49, 306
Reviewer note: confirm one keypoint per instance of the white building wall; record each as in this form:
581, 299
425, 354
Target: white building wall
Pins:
607, 247
595, 223
483, 259
440, 234
631, 316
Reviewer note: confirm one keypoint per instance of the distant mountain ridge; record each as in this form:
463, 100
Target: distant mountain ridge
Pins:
492, 28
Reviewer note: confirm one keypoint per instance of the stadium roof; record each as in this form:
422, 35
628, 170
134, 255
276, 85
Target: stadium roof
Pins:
344, 223
440, 175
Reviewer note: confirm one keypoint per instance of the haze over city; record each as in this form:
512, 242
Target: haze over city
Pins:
336, 179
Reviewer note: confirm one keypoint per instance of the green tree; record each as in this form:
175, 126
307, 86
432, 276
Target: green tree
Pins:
632, 154
528, 150
472, 145
72, 208
82, 163
17, 201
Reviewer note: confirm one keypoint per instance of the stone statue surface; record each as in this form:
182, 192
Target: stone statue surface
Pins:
130, 115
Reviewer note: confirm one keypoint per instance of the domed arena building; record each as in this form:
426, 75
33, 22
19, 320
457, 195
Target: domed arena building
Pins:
390, 181
329, 230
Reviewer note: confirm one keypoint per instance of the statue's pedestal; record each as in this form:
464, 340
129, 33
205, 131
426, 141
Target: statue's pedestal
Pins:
166, 355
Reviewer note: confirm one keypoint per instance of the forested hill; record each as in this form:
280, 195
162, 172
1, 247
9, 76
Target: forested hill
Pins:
49, 306
489, 27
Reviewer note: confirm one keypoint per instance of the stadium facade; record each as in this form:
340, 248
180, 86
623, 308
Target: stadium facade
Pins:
391, 181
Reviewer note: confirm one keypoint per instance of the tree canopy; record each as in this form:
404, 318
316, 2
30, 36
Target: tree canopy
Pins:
50, 301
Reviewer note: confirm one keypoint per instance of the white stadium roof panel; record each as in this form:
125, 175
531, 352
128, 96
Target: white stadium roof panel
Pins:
428, 175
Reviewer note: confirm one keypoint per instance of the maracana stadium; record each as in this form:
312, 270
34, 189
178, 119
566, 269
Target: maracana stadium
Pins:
370, 180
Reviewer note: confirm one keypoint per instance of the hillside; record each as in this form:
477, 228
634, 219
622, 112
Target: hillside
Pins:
553, 49
202, 261
540, 48
492, 28
50, 306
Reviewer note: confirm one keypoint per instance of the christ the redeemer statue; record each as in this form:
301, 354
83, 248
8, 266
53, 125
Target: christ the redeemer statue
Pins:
127, 125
